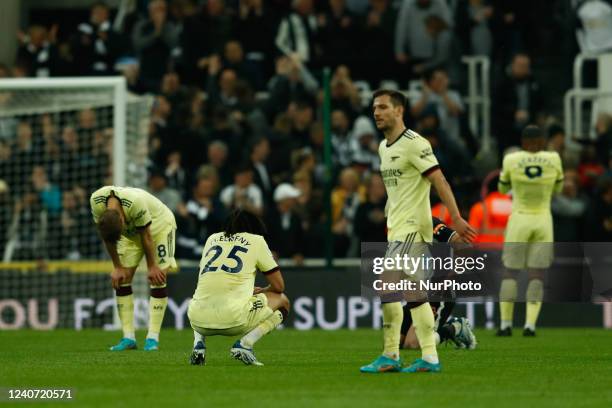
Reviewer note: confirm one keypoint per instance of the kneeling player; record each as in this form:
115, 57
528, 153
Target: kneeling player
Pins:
457, 330
133, 224
225, 302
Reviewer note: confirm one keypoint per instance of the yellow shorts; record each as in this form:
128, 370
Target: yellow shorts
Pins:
528, 242
131, 252
258, 311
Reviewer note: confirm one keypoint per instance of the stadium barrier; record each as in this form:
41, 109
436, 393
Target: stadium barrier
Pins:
78, 295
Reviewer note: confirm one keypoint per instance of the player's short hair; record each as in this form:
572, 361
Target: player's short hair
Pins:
110, 226
397, 98
532, 132
243, 221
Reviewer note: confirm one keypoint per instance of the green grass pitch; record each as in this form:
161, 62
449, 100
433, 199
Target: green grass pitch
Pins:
559, 368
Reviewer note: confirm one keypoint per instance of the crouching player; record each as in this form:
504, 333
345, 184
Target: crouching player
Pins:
457, 329
225, 302
133, 224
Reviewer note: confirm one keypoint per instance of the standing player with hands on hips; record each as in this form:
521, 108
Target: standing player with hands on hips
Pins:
133, 223
409, 168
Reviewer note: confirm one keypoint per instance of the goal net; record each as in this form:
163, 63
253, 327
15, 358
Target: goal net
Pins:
61, 139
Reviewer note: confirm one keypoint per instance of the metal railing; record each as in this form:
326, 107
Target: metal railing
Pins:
478, 98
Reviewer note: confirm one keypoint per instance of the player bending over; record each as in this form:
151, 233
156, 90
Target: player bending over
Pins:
133, 224
457, 329
533, 174
409, 168
225, 302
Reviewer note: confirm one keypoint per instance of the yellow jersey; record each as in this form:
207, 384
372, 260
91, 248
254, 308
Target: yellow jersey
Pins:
227, 278
533, 178
140, 207
404, 166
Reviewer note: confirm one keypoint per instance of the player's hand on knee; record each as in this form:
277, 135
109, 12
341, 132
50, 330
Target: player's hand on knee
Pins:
118, 276
156, 276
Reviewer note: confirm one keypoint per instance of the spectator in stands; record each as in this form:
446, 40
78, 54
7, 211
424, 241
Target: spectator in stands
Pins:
365, 148
376, 43
473, 20
217, 157
255, 29
284, 225
413, 44
370, 222
293, 81
224, 128
344, 93
302, 117
446, 102
175, 173
442, 39
244, 193
509, 22
27, 233
298, 31
205, 216
309, 208
204, 35
233, 58
76, 237
158, 186
95, 44
258, 156
161, 133
345, 200
589, 169
25, 154
50, 196
337, 32
343, 143
518, 102
37, 55
100, 162
154, 40
603, 127
87, 126
568, 209
598, 225
221, 84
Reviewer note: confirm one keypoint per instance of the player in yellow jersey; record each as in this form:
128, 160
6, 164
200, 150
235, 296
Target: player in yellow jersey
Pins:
533, 175
133, 224
409, 168
226, 301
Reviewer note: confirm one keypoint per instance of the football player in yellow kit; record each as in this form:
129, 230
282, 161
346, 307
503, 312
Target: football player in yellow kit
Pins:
534, 175
226, 301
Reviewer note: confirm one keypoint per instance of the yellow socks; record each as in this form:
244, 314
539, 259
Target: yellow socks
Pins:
423, 321
264, 328
125, 309
507, 296
392, 323
535, 294
157, 307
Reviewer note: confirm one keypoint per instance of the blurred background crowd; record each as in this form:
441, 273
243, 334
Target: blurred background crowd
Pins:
237, 117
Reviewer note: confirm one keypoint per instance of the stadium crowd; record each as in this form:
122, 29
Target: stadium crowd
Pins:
237, 118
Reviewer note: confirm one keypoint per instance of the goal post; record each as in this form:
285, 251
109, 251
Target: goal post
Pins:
40, 119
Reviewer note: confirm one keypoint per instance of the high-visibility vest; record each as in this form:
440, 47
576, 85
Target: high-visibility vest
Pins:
490, 217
